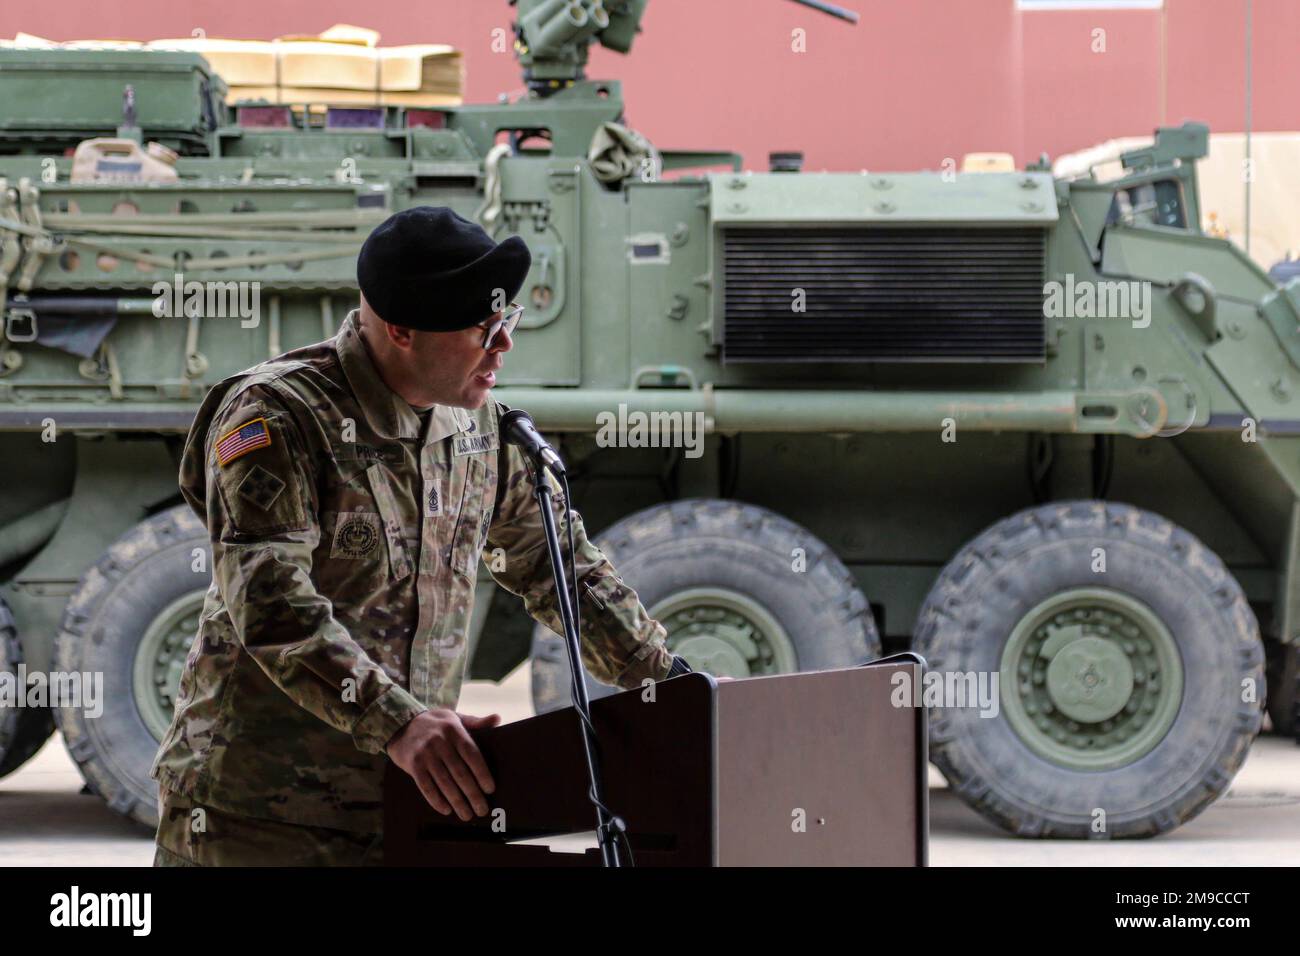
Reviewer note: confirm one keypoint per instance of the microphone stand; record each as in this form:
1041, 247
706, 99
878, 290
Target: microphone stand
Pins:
608, 826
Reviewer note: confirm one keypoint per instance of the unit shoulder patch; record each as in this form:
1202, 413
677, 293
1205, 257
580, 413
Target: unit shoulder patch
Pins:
260, 487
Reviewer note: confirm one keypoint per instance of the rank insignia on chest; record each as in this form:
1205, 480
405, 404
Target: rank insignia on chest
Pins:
475, 444
432, 500
242, 440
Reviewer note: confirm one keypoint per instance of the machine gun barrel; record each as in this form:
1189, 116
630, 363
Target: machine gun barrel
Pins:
830, 8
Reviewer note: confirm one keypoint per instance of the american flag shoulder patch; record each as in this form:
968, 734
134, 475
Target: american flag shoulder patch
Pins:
242, 440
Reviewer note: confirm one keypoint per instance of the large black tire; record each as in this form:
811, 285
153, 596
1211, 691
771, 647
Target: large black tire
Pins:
22, 729
1033, 560
729, 548
118, 600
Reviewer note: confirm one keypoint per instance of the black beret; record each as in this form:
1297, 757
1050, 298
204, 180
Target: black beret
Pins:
428, 268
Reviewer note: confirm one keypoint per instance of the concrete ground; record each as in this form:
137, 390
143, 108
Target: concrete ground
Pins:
45, 820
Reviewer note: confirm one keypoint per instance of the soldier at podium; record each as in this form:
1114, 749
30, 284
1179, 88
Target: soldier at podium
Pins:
350, 488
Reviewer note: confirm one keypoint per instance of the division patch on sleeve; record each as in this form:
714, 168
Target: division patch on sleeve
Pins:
261, 488
247, 437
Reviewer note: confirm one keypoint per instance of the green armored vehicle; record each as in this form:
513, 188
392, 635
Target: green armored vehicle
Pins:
1046, 433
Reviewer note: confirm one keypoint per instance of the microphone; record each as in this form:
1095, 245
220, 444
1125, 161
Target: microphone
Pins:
518, 429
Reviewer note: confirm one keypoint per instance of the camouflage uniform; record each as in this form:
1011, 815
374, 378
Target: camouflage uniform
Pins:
192, 836
345, 545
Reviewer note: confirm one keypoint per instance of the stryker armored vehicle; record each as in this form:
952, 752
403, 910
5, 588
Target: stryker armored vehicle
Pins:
1044, 432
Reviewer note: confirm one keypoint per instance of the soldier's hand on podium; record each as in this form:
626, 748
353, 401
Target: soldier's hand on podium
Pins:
435, 748
680, 667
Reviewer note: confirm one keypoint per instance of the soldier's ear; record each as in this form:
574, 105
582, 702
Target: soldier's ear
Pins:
399, 335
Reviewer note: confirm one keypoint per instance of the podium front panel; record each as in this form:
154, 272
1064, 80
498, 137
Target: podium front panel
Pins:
815, 769
821, 769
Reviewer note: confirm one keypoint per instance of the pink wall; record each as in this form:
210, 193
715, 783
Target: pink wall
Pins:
1075, 97
1207, 63
916, 81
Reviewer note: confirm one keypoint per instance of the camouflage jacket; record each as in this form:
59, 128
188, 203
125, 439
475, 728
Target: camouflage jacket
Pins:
345, 550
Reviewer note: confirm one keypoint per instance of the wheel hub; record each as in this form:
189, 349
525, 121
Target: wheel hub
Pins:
725, 633
1091, 679
160, 660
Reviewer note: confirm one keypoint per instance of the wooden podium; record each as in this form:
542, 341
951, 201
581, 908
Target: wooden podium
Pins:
813, 769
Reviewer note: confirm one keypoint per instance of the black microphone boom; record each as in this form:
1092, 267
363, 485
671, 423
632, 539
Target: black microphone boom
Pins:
518, 429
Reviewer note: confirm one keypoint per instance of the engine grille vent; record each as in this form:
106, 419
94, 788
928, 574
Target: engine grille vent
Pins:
966, 294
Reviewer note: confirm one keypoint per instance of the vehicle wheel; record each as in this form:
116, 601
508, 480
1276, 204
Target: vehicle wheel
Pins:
22, 729
133, 618
1130, 670
719, 575
1283, 688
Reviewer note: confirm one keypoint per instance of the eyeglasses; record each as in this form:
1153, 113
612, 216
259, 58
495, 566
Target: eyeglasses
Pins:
507, 320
